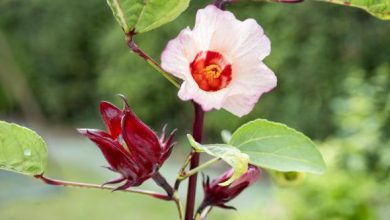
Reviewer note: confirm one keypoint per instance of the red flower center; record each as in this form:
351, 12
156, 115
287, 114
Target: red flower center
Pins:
211, 71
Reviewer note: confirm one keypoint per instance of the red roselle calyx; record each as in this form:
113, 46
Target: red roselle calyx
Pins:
216, 195
130, 147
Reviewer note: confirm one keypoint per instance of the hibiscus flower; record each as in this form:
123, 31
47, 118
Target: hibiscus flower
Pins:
220, 62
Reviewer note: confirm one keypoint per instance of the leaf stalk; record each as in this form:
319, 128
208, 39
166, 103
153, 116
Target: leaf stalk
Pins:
137, 50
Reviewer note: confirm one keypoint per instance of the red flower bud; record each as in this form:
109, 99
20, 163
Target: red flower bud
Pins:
216, 195
130, 147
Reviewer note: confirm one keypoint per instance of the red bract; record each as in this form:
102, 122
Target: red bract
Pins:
130, 147
216, 195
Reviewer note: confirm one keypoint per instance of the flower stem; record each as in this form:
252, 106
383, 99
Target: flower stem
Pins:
185, 175
172, 193
135, 48
197, 131
55, 182
281, 1
182, 170
221, 3
178, 204
162, 182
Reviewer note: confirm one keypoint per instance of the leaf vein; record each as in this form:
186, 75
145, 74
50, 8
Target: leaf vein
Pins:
282, 156
260, 138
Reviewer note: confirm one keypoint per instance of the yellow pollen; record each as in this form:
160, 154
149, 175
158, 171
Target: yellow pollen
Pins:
212, 71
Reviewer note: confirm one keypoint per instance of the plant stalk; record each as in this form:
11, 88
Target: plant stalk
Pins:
220, 3
182, 170
179, 206
135, 48
192, 172
55, 182
162, 182
172, 193
197, 131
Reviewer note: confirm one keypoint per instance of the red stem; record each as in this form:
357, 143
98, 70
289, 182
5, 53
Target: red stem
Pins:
197, 130
220, 4
55, 182
162, 182
134, 47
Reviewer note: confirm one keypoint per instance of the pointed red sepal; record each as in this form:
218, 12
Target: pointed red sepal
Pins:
113, 153
140, 138
167, 145
216, 195
112, 117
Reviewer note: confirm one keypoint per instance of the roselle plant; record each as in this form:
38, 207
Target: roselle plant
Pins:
215, 65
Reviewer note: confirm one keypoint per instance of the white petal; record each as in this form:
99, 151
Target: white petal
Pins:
187, 90
220, 31
179, 53
211, 100
210, 22
251, 41
251, 74
250, 81
240, 105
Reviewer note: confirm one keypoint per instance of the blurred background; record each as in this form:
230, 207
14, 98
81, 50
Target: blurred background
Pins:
58, 59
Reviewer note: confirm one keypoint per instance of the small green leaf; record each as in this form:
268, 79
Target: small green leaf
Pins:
140, 16
21, 150
231, 155
275, 146
378, 8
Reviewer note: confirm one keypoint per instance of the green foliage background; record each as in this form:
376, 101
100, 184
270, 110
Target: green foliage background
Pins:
332, 64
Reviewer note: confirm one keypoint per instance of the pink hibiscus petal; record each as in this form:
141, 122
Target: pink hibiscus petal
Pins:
220, 61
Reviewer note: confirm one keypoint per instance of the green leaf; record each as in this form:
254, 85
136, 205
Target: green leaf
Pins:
21, 150
275, 146
378, 8
231, 155
140, 16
